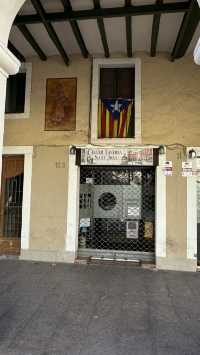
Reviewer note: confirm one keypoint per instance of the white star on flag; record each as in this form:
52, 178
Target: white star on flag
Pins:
116, 107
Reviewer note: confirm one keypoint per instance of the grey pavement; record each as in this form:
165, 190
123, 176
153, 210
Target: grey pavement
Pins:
97, 310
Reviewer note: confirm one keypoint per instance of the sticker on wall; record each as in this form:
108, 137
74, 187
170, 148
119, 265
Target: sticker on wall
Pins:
84, 222
89, 180
197, 171
167, 168
187, 168
133, 211
148, 230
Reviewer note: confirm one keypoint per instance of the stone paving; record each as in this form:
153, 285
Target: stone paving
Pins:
97, 310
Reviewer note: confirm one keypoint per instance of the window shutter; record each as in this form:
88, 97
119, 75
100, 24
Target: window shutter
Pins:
108, 83
125, 83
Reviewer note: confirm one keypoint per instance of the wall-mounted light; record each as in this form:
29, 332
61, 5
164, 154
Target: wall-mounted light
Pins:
192, 154
161, 149
72, 150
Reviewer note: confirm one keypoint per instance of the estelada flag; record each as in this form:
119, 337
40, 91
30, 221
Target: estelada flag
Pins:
116, 118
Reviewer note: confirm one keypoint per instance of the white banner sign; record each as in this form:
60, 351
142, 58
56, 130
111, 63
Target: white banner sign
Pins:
167, 168
108, 156
187, 168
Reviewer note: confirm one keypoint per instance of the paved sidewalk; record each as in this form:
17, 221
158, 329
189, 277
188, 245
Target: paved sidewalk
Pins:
97, 310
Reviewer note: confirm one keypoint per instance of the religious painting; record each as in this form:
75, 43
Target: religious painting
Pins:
60, 113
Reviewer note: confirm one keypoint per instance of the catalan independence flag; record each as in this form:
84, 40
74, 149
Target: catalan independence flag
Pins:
116, 118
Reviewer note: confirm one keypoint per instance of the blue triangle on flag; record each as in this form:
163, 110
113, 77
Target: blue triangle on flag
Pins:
116, 106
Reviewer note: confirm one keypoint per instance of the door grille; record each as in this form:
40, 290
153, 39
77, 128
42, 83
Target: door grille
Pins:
11, 197
120, 213
13, 207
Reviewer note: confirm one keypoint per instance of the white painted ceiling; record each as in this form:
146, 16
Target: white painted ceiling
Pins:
115, 30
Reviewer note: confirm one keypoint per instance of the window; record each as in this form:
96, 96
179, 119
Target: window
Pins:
15, 93
116, 118
116, 101
18, 93
117, 82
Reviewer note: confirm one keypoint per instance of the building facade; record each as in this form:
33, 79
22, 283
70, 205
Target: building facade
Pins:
122, 183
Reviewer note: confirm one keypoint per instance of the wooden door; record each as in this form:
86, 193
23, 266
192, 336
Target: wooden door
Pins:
11, 204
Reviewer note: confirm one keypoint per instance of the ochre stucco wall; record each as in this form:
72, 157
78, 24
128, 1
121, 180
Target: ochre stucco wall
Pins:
31, 131
49, 198
170, 114
176, 201
170, 101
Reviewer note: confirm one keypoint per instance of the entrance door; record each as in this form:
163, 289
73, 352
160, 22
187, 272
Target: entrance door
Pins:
11, 204
117, 212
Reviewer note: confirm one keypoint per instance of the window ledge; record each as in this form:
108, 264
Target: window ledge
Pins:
116, 141
16, 116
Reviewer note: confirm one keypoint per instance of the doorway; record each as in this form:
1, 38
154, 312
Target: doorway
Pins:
117, 212
11, 204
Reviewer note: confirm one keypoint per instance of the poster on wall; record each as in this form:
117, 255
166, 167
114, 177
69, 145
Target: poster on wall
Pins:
114, 156
148, 230
60, 111
187, 168
167, 168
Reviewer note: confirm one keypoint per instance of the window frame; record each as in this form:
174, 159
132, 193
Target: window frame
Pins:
99, 63
25, 68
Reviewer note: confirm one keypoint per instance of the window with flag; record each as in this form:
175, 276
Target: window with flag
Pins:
116, 114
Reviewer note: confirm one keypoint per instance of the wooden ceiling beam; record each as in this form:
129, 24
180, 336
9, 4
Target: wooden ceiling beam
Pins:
102, 30
76, 30
16, 52
52, 33
128, 31
28, 36
138, 10
188, 27
155, 30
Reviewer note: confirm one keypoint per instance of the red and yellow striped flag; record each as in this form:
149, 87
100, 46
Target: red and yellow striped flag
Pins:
111, 125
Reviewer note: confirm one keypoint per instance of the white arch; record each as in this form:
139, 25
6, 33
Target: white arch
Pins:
8, 11
197, 48
9, 64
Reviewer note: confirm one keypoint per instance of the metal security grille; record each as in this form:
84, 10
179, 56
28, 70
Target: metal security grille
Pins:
117, 211
13, 207
198, 220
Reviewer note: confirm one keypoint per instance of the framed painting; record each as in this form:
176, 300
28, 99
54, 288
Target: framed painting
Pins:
60, 112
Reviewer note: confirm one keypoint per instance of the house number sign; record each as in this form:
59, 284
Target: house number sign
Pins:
109, 156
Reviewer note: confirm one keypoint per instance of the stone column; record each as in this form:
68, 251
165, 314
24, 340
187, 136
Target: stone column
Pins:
9, 65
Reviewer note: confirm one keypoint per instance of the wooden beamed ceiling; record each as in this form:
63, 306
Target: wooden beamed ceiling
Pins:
155, 30
50, 29
16, 52
191, 18
128, 31
75, 28
28, 36
102, 30
188, 27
